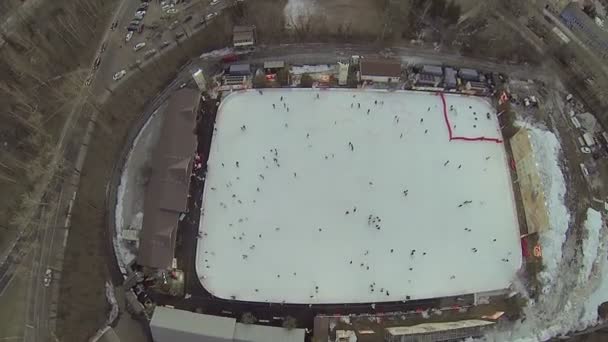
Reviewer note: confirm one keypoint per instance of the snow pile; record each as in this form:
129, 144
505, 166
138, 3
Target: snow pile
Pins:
546, 149
296, 10
311, 69
591, 241
216, 53
595, 249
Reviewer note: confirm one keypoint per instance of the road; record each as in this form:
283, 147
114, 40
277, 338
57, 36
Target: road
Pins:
49, 239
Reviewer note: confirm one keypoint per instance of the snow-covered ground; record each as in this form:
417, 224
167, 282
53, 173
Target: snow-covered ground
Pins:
130, 193
338, 196
574, 284
546, 148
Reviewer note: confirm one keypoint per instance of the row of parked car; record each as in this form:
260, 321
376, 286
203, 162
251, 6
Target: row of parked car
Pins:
136, 25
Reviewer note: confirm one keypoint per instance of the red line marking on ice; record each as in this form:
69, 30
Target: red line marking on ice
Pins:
449, 126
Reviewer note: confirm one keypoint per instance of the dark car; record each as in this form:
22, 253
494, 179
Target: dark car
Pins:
114, 25
179, 35
187, 19
164, 44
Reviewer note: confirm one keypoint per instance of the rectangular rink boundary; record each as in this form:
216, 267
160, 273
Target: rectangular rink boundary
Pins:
449, 126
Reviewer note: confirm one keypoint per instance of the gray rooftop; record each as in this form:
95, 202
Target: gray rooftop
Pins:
172, 325
261, 333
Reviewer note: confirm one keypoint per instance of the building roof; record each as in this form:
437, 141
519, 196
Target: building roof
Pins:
380, 67
243, 28
240, 68
274, 64
426, 328
243, 35
432, 69
167, 192
262, 333
172, 325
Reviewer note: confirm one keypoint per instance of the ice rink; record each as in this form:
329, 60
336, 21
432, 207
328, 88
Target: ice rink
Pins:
355, 196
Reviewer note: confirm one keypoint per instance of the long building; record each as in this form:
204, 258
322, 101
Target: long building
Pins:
166, 195
585, 28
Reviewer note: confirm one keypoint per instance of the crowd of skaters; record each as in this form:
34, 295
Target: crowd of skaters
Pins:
374, 221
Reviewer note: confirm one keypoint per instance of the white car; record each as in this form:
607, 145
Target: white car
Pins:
171, 11
129, 36
211, 16
48, 276
117, 76
215, 2
139, 46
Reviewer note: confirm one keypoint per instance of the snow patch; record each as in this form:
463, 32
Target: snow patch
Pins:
216, 53
546, 148
297, 10
311, 69
593, 225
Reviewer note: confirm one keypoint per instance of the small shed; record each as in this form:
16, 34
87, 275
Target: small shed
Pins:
243, 36
434, 70
240, 70
468, 74
380, 70
450, 78
272, 67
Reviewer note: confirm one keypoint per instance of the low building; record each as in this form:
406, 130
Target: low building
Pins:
343, 73
427, 80
166, 195
172, 325
379, 70
272, 67
243, 36
446, 331
449, 80
262, 333
240, 70
468, 74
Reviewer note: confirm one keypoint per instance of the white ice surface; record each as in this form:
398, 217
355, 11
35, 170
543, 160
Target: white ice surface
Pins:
320, 179
546, 148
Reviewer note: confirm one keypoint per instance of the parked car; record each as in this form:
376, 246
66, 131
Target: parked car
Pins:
139, 46
178, 35
104, 46
210, 16
171, 11
48, 276
117, 76
89, 79
142, 13
114, 25
215, 2
129, 36
97, 62
139, 16
165, 44
187, 19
